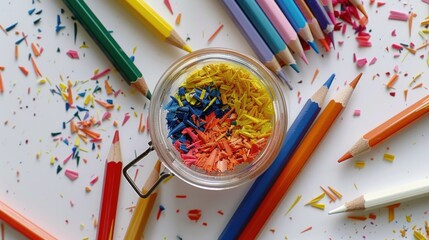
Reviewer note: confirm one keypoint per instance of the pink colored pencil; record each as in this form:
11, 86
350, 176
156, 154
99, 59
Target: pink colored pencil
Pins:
283, 26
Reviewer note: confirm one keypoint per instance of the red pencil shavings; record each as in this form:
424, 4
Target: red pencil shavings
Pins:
93, 180
361, 62
72, 175
126, 118
307, 229
168, 5
181, 196
373, 61
194, 214
73, 54
100, 74
359, 218
215, 33
23, 70
398, 15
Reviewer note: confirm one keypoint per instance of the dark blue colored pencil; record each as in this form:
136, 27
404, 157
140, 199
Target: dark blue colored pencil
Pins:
263, 183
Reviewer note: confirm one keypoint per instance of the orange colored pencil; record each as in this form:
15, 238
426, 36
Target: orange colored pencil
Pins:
298, 161
110, 195
22, 224
388, 128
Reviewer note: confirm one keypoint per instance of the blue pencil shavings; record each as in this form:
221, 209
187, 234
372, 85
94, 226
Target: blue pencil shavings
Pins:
80, 109
31, 11
8, 29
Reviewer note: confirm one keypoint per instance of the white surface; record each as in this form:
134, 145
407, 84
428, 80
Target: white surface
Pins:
32, 187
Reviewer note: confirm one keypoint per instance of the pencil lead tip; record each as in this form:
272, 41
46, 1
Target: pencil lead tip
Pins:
325, 45
116, 137
313, 46
355, 81
340, 209
304, 58
187, 48
345, 157
295, 67
329, 81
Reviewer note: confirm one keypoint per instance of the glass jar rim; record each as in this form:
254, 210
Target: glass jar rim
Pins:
168, 155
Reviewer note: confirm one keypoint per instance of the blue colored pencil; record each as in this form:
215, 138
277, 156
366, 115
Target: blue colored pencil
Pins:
263, 183
267, 31
255, 40
322, 17
298, 22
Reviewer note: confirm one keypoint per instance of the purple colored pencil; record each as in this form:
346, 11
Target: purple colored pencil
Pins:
322, 17
255, 41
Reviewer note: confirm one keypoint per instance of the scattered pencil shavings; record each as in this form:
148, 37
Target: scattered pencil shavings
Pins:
215, 33
356, 113
418, 235
388, 157
333, 197
398, 15
160, 210
316, 199
360, 164
307, 229
126, 118
178, 19
73, 54
194, 214
23, 70
359, 218
391, 209
294, 203
361, 62
72, 175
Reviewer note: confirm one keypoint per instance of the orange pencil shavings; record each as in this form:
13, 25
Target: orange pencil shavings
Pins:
73, 127
89, 133
372, 216
330, 195
70, 92
16, 51
294, 203
410, 22
105, 104
178, 19
141, 125
35, 67
316, 72
359, 218
418, 86
23, 70
36, 50
391, 210
392, 81
215, 33
335, 192
412, 51
108, 88
307, 229
1, 83
405, 94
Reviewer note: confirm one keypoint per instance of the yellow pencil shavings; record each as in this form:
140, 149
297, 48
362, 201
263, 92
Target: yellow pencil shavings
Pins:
294, 203
389, 157
408, 218
360, 164
52, 161
391, 209
414, 79
320, 206
316, 199
419, 236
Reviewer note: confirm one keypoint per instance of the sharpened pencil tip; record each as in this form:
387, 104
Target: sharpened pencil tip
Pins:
345, 157
355, 81
340, 209
313, 46
325, 45
329, 81
304, 58
116, 137
295, 67
283, 77
187, 48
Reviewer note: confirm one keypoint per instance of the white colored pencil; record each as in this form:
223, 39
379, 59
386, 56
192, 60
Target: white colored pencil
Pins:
386, 197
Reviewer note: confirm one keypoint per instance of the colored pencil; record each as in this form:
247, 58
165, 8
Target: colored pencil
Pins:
323, 18
108, 45
283, 27
329, 8
295, 17
262, 184
388, 128
255, 40
110, 195
267, 31
358, 5
313, 24
144, 207
386, 197
298, 161
22, 224
158, 25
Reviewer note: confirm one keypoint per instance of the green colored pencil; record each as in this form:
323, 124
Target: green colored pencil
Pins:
108, 45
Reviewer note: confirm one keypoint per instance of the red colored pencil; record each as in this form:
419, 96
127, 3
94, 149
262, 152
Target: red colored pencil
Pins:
109, 200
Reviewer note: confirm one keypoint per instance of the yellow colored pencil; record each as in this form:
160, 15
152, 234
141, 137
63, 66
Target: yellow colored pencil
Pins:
154, 22
144, 207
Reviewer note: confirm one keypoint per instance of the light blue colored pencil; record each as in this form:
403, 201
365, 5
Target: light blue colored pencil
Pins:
267, 31
263, 183
298, 22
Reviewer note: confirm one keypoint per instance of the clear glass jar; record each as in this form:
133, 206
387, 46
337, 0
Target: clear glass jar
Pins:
168, 85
